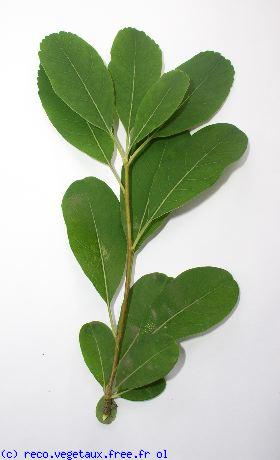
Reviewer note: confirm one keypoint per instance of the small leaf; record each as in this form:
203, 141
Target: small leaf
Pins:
92, 216
191, 164
149, 359
99, 412
192, 303
135, 65
147, 392
91, 140
79, 77
211, 77
159, 103
97, 345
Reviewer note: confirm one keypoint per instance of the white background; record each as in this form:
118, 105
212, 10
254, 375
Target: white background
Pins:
224, 403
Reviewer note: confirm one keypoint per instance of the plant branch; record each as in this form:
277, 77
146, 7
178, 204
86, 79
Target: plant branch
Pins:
122, 321
139, 150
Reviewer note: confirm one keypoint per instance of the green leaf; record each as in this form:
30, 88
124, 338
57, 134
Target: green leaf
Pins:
143, 172
92, 216
79, 77
191, 164
192, 303
145, 393
135, 65
211, 77
97, 346
159, 103
99, 412
91, 140
149, 359
142, 295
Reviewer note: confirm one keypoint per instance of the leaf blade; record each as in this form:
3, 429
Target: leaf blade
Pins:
149, 359
135, 65
79, 77
91, 140
97, 345
211, 77
92, 216
204, 157
194, 302
159, 103
145, 393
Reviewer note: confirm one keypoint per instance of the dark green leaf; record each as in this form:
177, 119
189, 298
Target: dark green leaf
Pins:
211, 77
195, 301
94, 141
79, 77
92, 216
142, 295
150, 358
143, 172
146, 392
135, 65
97, 345
191, 164
159, 103
99, 412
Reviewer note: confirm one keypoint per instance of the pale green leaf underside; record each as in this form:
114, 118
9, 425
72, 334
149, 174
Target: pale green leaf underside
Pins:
96, 237
97, 346
135, 66
79, 77
211, 77
86, 137
159, 103
190, 165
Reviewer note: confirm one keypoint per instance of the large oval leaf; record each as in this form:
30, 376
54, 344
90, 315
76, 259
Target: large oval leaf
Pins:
135, 65
159, 103
211, 77
191, 164
79, 77
79, 132
97, 346
92, 216
195, 301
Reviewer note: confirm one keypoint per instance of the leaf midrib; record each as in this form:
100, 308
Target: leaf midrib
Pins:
181, 180
100, 358
101, 255
185, 307
152, 114
86, 88
142, 365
